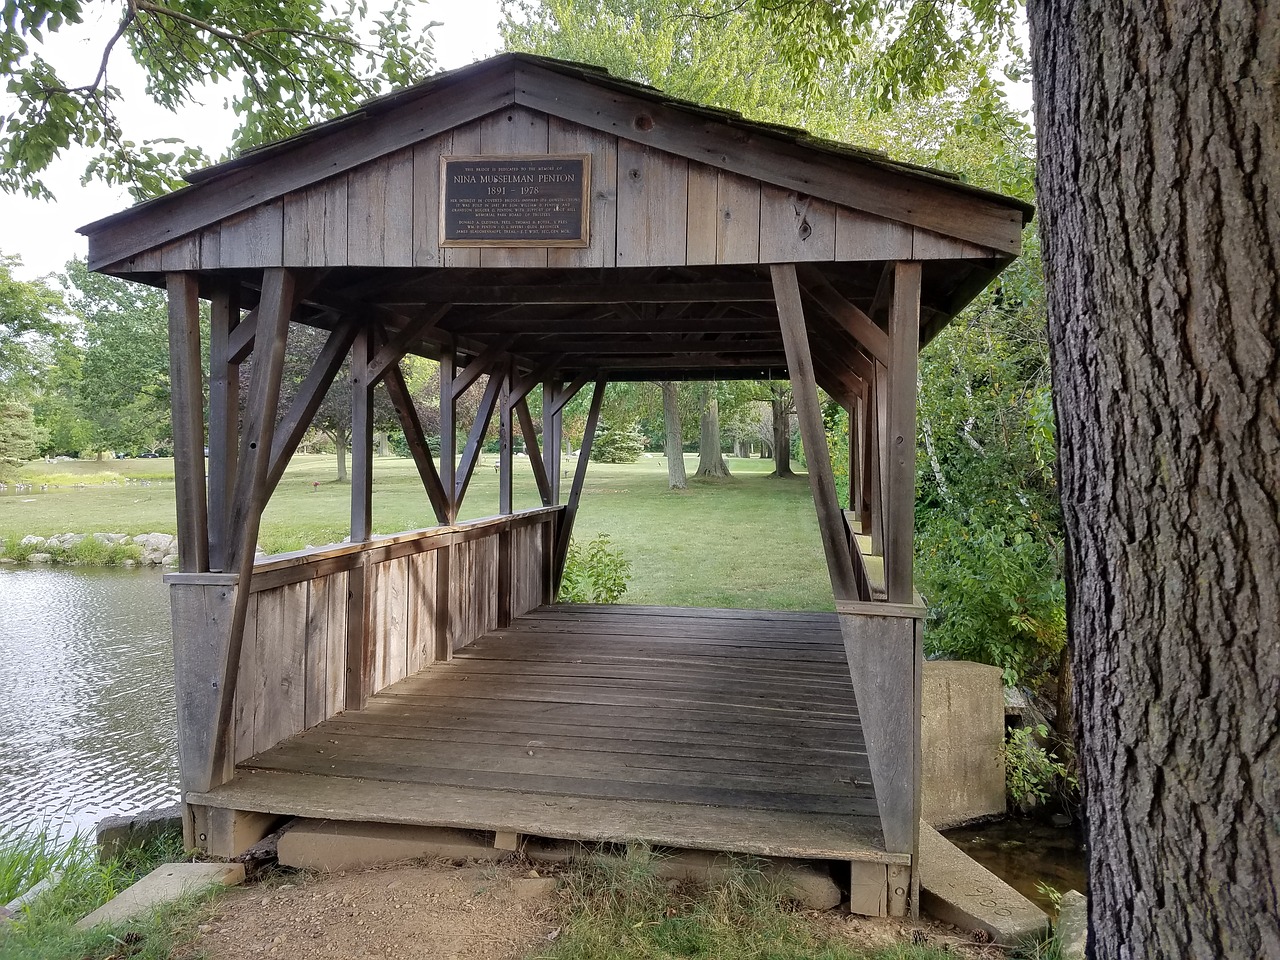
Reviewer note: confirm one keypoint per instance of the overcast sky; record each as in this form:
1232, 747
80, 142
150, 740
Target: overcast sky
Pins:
43, 234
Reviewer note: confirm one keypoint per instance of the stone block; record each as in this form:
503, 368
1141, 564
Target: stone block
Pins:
868, 889
164, 884
1072, 928
958, 890
540, 888
961, 735
118, 834
332, 845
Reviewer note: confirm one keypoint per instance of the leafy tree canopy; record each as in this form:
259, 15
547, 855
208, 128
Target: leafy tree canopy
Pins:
32, 322
280, 66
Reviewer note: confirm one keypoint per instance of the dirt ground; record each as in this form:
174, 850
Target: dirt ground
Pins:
446, 912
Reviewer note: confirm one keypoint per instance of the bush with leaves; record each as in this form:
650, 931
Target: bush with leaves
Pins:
1034, 776
618, 445
595, 572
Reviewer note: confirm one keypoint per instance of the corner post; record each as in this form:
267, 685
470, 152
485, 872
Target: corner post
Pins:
186, 401
224, 413
900, 450
448, 429
362, 351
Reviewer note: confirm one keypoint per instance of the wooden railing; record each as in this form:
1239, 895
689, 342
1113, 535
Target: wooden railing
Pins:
328, 628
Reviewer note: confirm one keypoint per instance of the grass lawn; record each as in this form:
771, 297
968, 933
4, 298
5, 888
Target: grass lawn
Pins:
747, 542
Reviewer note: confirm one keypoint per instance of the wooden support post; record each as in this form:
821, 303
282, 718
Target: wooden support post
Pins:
276, 305
186, 402
444, 642
880, 471
855, 453
551, 422
224, 418
398, 390
864, 435
505, 441
362, 351
448, 430
575, 491
804, 390
900, 450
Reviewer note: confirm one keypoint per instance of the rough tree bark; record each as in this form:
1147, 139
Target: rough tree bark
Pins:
342, 441
1159, 175
781, 438
710, 457
676, 479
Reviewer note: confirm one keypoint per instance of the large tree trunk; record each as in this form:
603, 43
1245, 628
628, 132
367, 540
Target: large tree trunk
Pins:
342, 440
710, 458
676, 479
781, 439
1159, 172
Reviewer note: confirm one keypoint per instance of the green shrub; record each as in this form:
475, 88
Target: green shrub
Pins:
1033, 775
595, 573
618, 445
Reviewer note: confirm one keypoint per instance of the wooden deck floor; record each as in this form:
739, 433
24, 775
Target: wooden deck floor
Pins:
716, 729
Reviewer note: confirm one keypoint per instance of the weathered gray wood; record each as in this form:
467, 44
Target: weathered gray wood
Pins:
795, 226
224, 418
466, 143
505, 439
359, 663
423, 601
254, 238
186, 403
652, 203
448, 428
380, 212
201, 623
362, 351
536, 462
480, 365
738, 219
853, 320
813, 433
565, 137
302, 409
389, 605
398, 390
245, 702
860, 236
565, 533
883, 663
507, 133
703, 215
904, 333
315, 225
879, 458
568, 393
552, 422
280, 687
590, 292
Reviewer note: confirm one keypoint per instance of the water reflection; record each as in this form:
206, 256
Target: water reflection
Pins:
87, 728
1026, 855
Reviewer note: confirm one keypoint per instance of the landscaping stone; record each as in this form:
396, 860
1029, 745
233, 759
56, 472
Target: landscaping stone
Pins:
960, 891
333, 845
162, 885
40, 558
1073, 925
541, 888
32, 541
117, 834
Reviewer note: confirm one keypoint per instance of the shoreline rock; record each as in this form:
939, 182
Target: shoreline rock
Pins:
152, 550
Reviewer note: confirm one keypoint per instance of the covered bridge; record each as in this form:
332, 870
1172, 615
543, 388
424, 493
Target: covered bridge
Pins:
540, 225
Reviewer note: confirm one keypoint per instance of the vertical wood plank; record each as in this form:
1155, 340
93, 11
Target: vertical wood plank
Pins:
362, 351
423, 620
511, 132
380, 212
244, 713
181, 254
315, 225
186, 404
804, 390
904, 346
703, 215
359, 662
566, 137
388, 604
426, 200
863, 236
200, 616
280, 688
316, 651
737, 219
466, 142
444, 601
335, 673
927, 245
653, 202
880, 469
224, 418
211, 247
254, 238
795, 227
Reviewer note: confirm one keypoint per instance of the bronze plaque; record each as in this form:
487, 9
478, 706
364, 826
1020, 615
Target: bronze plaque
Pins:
524, 201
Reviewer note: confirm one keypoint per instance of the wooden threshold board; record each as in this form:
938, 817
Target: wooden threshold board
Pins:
713, 729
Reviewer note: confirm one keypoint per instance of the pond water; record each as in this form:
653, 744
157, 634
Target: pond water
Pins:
87, 723
1026, 854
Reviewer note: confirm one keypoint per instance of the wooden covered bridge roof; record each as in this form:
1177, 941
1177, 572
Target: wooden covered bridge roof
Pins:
688, 208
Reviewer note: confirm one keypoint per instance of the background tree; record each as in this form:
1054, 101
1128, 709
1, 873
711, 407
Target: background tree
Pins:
281, 66
673, 436
33, 322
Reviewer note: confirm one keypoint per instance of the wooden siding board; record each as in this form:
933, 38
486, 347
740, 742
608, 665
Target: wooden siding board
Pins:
653, 199
737, 219
861, 236
280, 689
566, 137
426, 200
703, 215
795, 227
315, 225
511, 132
466, 142
254, 238
380, 212
244, 711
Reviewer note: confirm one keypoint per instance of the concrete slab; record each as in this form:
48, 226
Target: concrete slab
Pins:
1072, 928
332, 845
958, 890
164, 884
115, 835
961, 735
